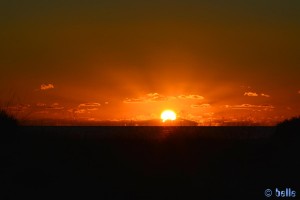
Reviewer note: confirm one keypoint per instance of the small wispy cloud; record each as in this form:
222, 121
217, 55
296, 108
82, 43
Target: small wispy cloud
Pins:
40, 104
266, 107
47, 86
79, 111
205, 105
133, 100
150, 97
18, 108
254, 94
298, 91
55, 106
191, 96
85, 107
82, 110
250, 94
89, 105
264, 95
155, 97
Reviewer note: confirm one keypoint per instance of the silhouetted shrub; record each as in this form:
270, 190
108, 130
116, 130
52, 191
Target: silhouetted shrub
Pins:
288, 130
7, 120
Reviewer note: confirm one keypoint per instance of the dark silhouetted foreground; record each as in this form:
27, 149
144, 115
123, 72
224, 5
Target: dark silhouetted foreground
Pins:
147, 163
288, 129
7, 120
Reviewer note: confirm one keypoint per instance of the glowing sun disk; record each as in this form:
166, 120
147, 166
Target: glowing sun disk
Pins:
168, 115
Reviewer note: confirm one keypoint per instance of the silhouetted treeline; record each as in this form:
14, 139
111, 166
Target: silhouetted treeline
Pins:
7, 120
288, 130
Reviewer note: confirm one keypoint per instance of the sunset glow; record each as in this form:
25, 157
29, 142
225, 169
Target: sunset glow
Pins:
113, 61
150, 99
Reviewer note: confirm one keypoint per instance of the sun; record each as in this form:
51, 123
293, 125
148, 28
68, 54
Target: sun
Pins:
168, 115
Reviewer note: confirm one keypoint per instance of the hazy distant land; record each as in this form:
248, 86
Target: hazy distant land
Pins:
152, 122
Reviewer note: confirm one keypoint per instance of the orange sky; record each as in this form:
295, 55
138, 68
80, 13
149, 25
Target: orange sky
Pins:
111, 60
